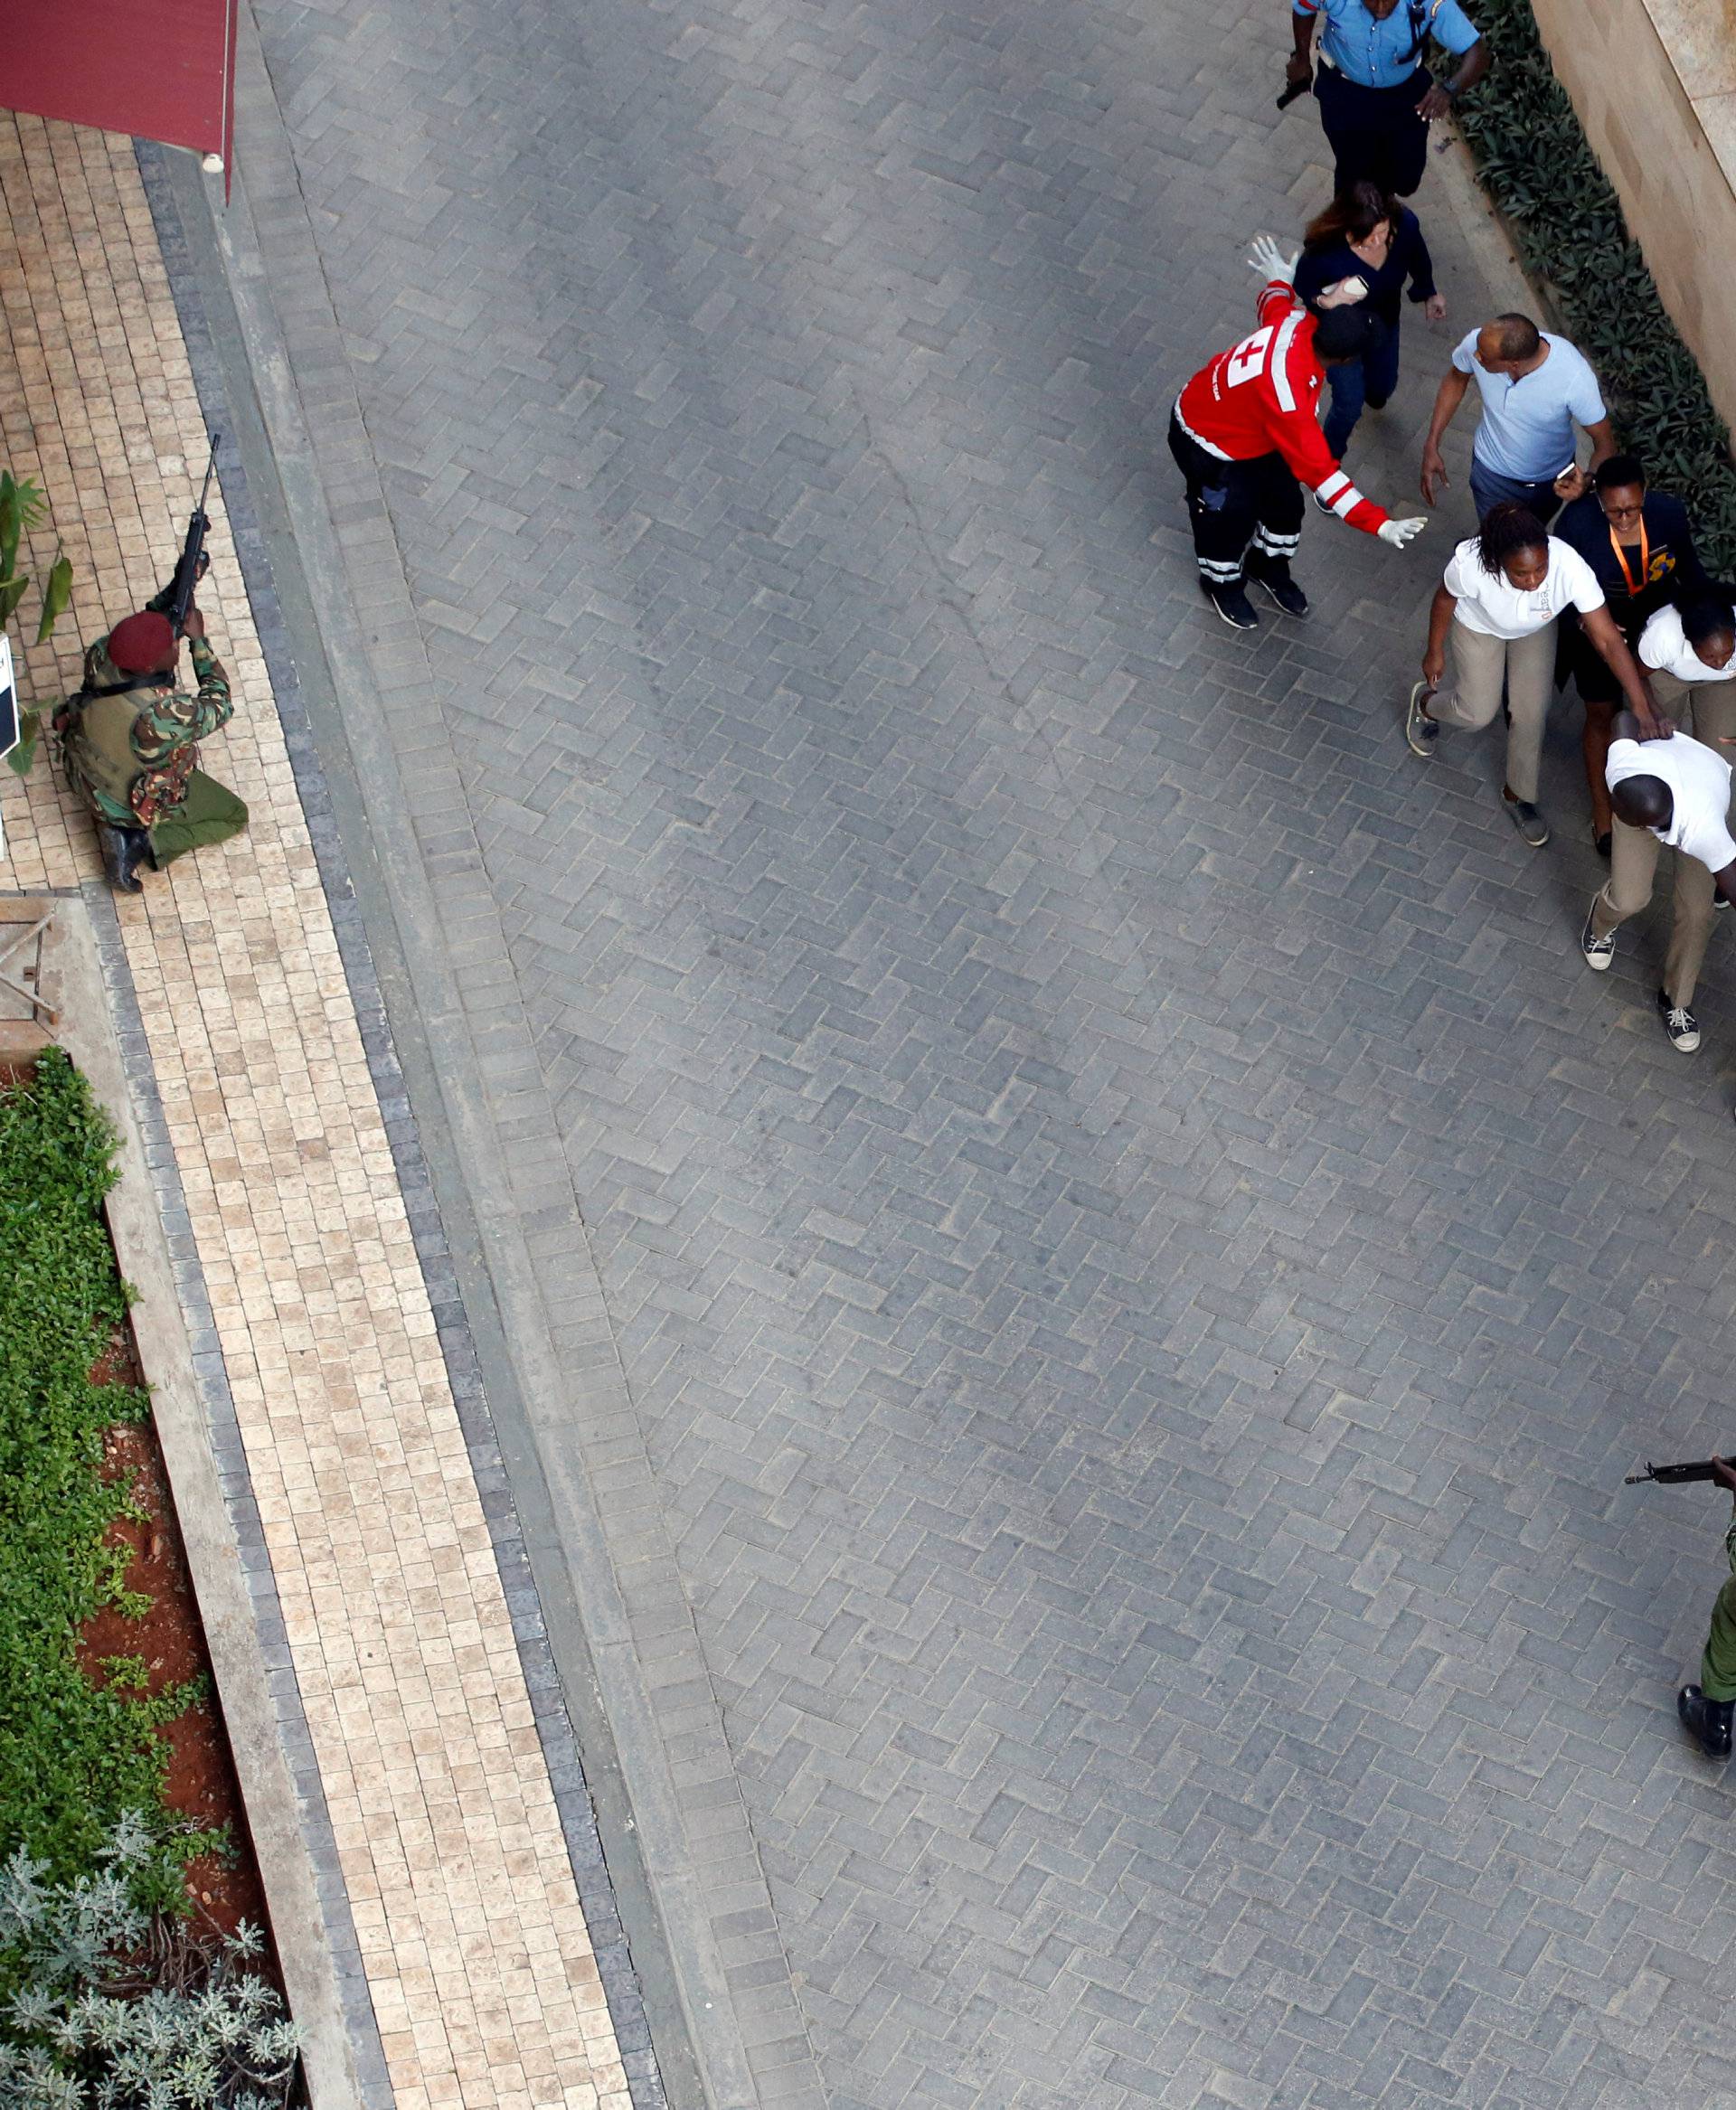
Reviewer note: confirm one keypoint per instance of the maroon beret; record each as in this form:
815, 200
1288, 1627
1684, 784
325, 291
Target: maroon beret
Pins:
141, 645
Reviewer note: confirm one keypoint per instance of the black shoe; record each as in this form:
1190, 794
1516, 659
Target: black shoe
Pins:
1708, 1720
1232, 605
1532, 825
1679, 1023
1602, 844
1272, 574
124, 849
1375, 402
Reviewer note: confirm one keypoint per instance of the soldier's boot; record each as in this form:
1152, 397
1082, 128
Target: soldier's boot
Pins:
124, 849
1707, 1720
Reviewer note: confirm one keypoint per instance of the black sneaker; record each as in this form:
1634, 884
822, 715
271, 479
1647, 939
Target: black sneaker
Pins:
1232, 605
1274, 579
1599, 951
1679, 1023
1532, 825
1419, 729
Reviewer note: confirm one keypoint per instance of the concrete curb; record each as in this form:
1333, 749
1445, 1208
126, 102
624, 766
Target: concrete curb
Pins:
248, 260
405, 1068
277, 1812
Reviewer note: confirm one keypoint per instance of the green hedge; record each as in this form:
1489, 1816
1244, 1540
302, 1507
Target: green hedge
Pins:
74, 1754
1534, 161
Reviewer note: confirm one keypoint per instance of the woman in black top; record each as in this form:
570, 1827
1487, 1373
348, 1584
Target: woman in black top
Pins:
1365, 234
1640, 544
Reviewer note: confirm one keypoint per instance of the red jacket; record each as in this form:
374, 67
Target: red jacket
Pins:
1262, 396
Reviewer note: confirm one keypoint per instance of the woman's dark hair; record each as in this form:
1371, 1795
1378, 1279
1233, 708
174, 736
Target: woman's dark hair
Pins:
1707, 609
1352, 216
1619, 471
1508, 529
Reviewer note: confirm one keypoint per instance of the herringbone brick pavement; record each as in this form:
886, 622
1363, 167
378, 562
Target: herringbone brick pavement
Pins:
1138, 1254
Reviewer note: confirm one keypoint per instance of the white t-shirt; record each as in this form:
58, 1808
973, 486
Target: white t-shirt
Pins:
1489, 604
1699, 782
1661, 645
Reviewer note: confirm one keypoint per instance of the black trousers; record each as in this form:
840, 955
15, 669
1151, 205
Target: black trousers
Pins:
1375, 133
1234, 504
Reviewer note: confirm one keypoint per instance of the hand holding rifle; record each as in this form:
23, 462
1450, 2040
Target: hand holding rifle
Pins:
194, 562
1718, 1469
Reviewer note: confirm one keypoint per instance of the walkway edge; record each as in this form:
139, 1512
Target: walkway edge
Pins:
229, 1614
701, 2052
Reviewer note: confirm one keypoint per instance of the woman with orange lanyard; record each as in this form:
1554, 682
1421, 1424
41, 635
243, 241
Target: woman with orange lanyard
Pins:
1639, 544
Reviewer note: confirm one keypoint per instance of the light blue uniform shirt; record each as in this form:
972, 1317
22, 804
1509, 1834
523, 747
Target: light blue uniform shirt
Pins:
1527, 429
1385, 54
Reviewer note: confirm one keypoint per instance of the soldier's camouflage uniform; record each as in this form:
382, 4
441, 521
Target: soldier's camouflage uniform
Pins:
132, 756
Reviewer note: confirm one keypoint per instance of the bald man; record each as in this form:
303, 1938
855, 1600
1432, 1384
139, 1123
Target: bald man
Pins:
1536, 389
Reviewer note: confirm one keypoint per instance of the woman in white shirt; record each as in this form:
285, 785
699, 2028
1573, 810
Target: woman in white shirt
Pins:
1498, 603
1688, 649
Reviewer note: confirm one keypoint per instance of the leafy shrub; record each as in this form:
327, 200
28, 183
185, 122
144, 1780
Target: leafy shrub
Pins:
74, 1753
1534, 160
109, 2006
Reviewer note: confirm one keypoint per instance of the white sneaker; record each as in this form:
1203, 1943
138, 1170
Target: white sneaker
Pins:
1680, 1024
1599, 951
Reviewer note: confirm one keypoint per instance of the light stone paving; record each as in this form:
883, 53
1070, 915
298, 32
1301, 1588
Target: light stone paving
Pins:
471, 1933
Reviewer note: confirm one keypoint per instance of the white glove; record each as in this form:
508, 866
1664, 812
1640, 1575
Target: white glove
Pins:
1270, 262
1399, 532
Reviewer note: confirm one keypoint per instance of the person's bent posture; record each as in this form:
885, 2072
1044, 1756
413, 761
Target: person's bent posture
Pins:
1247, 426
1497, 605
1673, 792
129, 745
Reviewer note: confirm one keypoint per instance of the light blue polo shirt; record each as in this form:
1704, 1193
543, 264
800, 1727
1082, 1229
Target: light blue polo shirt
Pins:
1527, 429
1385, 54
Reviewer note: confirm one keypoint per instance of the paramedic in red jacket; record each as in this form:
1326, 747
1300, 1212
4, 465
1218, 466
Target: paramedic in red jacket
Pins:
1247, 426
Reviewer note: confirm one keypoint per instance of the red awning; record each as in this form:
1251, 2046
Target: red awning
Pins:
159, 69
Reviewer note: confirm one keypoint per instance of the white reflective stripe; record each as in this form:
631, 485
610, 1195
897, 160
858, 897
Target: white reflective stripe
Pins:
1194, 437
1347, 500
1287, 329
1328, 488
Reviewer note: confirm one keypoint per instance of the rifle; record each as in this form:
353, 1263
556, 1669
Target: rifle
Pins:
1674, 1475
192, 564
1294, 89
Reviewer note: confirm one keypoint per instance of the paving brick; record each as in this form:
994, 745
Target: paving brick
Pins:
1133, 1255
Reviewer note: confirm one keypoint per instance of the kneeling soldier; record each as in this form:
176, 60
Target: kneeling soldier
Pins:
127, 745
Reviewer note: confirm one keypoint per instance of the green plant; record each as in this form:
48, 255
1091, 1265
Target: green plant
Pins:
75, 1750
1534, 157
108, 2005
21, 508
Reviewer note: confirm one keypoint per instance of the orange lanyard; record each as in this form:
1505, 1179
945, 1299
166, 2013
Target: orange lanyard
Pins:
1645, 560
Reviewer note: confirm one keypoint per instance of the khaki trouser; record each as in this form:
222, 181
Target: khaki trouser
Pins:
1472, 696
1709, 713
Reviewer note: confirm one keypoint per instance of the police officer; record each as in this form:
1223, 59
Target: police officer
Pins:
128, 744
1376, 96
